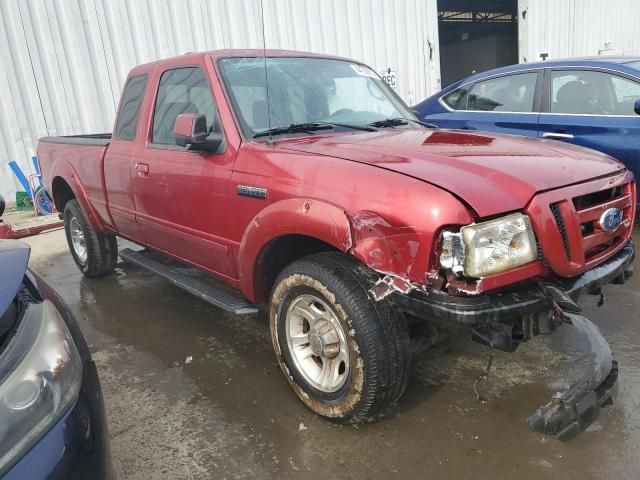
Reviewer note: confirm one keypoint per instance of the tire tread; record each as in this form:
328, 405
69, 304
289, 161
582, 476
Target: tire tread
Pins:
102, 248
383, 339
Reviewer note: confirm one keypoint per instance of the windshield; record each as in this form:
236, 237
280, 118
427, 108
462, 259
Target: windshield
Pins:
307, 90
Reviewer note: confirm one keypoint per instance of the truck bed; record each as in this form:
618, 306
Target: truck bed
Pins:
77, 160
98, 139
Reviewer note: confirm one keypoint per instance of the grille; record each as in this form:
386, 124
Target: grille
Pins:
562, 227
567, 222
593, 199
595, 241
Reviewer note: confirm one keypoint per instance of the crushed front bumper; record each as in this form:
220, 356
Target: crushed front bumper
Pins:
474, 311
503, 320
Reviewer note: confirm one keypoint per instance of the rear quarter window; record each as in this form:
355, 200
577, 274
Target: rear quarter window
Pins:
127, 123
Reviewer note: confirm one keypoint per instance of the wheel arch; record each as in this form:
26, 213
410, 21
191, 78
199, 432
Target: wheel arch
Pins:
61, 193
63, 190
279, 253
284, 232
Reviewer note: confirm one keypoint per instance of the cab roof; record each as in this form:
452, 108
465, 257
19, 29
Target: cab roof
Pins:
232, 52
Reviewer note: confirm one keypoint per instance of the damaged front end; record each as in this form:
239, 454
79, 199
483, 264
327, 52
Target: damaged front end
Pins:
507, 317
491, 279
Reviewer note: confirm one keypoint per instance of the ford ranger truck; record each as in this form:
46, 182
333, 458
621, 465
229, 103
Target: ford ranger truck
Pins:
304, 182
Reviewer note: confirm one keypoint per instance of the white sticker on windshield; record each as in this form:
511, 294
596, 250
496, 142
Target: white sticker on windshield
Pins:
364, 71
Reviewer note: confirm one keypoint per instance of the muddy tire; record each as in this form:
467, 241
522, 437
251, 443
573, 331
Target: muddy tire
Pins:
345, 356
95, 253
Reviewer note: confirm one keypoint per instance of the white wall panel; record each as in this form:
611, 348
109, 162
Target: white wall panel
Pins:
572, 28
63, 62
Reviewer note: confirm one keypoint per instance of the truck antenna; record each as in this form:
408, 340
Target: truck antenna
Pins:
270, 140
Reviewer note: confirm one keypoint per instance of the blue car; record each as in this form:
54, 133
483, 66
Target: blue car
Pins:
592, 102
52, 422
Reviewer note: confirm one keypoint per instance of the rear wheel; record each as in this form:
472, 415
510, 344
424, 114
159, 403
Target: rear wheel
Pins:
95, 253
345, 356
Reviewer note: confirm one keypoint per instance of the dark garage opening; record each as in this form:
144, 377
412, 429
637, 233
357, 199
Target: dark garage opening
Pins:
476, 35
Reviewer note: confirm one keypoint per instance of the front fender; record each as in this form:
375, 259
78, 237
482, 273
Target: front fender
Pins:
387, 249
294, 216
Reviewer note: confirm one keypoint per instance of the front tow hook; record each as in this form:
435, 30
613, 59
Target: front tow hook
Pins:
572, 410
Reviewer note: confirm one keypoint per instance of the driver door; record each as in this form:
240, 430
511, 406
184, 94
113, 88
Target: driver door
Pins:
181, 196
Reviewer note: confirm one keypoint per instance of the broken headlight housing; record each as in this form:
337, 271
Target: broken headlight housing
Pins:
452, 252
40, 378
489, 247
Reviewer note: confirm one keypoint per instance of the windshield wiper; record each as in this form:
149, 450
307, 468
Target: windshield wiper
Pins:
364, 128
294, 128
310, 128
394, 122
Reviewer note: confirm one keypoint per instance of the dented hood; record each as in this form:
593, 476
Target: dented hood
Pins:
491, 173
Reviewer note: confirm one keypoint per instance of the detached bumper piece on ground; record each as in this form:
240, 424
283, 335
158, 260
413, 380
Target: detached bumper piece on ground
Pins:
503, 321
572, 410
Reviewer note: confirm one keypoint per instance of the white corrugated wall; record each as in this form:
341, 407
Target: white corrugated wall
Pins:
573, 28
64, 62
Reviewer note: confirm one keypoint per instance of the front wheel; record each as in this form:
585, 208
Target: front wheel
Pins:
345, 356
95, 253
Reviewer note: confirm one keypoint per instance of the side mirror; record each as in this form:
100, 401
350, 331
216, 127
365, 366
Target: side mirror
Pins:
636, 107
190, 131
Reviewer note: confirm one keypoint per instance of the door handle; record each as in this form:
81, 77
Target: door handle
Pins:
142, 169
557, 135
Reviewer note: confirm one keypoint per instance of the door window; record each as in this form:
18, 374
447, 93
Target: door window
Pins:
455, 99
182, 90
592, 93
510, 93
626, 93
127, 124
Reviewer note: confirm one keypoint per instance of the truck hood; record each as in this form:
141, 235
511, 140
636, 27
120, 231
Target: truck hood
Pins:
491, 173
14, 257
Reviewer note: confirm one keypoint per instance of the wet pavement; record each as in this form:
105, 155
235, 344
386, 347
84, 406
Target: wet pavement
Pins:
229, 413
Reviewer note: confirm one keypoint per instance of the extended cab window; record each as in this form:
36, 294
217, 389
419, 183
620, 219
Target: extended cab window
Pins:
592, 93
127, 124
456, 99
511, 93
182, 90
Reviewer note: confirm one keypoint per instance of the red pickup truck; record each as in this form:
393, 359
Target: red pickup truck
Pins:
304, 182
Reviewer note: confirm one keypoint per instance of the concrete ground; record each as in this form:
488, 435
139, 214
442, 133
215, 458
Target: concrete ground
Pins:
229, 412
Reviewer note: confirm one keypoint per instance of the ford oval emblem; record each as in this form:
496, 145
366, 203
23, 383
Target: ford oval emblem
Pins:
611, 219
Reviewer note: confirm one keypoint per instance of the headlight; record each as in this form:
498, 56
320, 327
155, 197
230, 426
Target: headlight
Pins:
40, 377
498, 245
